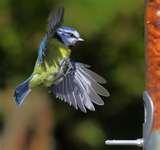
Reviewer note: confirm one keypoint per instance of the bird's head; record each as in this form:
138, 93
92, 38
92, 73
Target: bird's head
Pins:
68, 35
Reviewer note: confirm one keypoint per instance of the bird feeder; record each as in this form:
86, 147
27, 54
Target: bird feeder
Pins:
151, 96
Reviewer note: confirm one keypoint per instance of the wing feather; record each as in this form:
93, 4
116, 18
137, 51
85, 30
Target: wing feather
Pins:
93, 75
42, 49
98, 88
55, 20
92, 92
79, 99
80, 87
70, 92
87, 100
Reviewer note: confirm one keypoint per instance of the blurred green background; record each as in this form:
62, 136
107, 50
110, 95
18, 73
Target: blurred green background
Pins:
114, 47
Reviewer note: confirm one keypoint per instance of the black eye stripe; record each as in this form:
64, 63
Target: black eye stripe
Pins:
72, 35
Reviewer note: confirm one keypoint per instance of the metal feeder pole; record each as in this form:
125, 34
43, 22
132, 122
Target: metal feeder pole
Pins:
147, 127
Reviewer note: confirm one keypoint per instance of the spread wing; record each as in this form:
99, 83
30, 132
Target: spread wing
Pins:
80, 87
55, 20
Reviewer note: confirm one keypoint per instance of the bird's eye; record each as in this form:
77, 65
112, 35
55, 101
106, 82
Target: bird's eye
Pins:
71, 34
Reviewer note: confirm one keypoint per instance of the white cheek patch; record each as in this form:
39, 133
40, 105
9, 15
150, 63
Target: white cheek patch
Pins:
76, 34
72, 40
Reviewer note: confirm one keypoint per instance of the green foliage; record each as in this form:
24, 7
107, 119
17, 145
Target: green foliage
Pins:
90, 133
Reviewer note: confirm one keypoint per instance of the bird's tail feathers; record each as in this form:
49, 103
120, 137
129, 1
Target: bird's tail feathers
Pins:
21, 91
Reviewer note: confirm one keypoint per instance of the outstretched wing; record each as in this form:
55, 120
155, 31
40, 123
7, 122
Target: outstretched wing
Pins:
80, 87
55, 20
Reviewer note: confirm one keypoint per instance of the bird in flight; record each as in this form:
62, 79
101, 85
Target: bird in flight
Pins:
70, 81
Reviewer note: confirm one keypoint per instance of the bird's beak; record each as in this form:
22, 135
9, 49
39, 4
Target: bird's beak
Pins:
80, 39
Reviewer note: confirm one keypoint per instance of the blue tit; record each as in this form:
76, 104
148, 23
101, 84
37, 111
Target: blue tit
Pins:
70, 81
